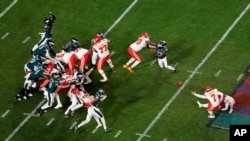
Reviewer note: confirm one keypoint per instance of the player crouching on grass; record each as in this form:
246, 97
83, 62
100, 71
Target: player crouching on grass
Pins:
217, 100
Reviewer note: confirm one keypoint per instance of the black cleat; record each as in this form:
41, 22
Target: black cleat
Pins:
108, 130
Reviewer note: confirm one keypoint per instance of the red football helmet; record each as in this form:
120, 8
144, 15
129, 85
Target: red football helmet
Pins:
145, 34
207, 89
96, 39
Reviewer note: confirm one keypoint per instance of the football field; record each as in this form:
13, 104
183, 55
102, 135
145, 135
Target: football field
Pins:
208, 43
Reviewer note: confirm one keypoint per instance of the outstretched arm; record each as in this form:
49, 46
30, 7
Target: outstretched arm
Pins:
198, 95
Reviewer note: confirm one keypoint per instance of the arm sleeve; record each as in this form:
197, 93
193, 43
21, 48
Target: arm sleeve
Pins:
200, 96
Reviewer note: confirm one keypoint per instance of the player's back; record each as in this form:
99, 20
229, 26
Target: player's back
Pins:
213, 97
140, 43
102, 48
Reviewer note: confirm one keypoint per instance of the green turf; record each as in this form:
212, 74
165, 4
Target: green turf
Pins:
191, 29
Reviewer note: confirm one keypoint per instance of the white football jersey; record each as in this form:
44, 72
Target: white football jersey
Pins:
139, 43
214, 96
102, 48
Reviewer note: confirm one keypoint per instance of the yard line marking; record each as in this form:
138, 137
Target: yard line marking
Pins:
175, 65
152, 62
165, 139
28, 114
120, 18
24, 121
112, 53
24, 41
118, 133
5, 35
8, 8
5, 113
193, 73
50, 121
93, 131
72, 126
217, 73
142, 135
240, 76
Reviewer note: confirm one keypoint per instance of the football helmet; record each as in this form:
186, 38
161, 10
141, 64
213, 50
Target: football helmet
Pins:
50, 43
79, 75
163, 43
100, 34
145, 34
56, 75
47, 21
101, 91
97, 39
75, 42
207, 89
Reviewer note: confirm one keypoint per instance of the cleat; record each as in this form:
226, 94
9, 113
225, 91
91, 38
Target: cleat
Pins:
30, 94
175, 71
131, 70
38, 111
71, 113
125, 66
108, 130
199, 104
24, 97
230, 111
75, 129
104, 80
58, 106
19, 99
112, 69
211, 116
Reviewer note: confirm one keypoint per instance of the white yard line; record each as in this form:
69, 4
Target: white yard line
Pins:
8, 8
24, 121
50, 121
5, 35
29, 116
73, 125
94, 130
193, 73
217, 73
120, 18
5, 113
240, 76
26, 39
118, 134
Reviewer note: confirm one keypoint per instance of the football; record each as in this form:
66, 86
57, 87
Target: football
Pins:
179, 84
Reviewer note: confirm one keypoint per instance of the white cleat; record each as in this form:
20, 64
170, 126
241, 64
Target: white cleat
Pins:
230, 111
104, 80
211, 116
199, 104
58, 106
30, 94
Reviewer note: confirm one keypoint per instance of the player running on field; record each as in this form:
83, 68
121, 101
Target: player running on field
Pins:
161, 53
89, 102
133, 51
